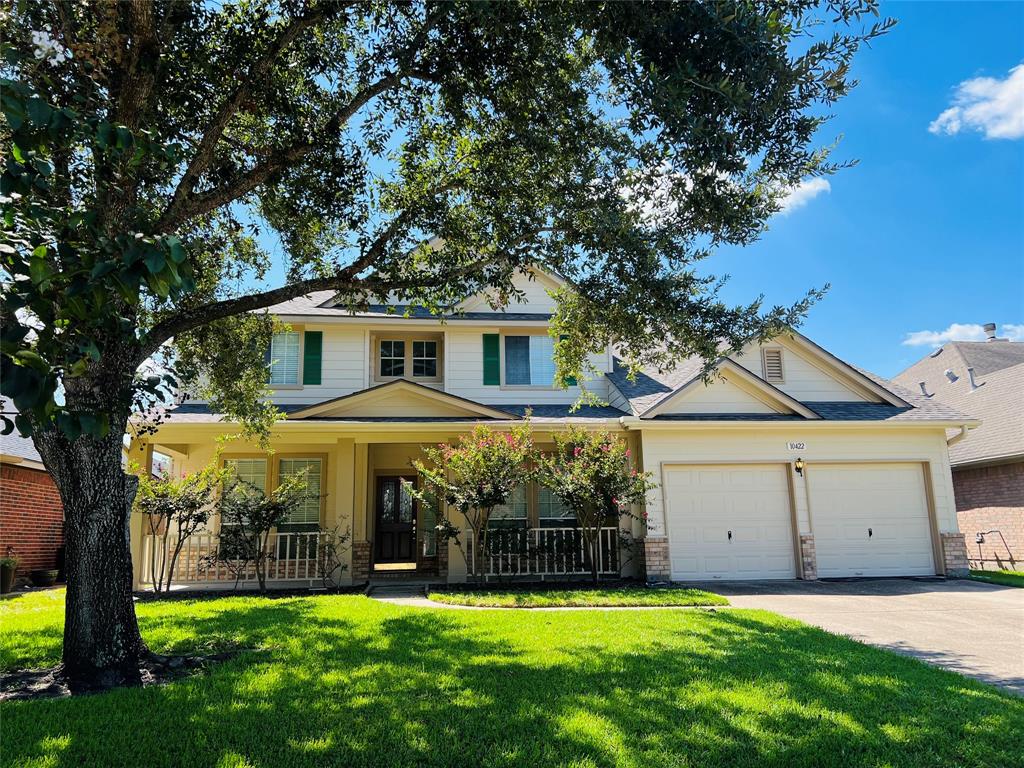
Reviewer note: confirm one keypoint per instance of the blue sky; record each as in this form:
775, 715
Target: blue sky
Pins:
928, 230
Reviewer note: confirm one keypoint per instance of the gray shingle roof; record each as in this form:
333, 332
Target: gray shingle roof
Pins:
998, 400
14, 444
651, 386
200, 413
318, 304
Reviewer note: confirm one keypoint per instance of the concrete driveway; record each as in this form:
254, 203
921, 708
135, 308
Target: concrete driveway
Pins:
966, 626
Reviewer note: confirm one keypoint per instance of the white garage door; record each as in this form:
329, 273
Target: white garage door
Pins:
729, 522
870, 520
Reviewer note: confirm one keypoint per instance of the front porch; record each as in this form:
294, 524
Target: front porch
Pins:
390, 536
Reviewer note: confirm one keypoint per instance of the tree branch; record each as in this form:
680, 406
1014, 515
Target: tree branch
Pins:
208, 313
187, 205
257, 72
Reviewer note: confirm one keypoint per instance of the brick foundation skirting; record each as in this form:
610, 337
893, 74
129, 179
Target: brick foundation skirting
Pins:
360, 561
654, 560
954, 555
808, 558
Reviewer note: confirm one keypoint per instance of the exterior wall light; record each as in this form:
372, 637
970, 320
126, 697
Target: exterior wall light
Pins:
798, 465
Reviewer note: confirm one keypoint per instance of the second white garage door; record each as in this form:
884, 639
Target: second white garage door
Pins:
729, 522
870, 520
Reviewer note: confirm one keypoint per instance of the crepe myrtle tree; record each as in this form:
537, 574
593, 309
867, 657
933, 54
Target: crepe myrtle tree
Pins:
174, 509
156, 153
475, 475
593, 475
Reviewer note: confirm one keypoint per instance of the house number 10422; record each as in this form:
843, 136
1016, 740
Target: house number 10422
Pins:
796, 446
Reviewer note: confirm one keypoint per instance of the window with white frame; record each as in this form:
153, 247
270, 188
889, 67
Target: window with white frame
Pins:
515, 510
530, 361
550, 509
424, 359
284, 358
308, 513
392, 358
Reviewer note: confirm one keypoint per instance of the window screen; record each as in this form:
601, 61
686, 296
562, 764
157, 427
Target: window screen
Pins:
515, 509
309, 511
284, 358
550, 507
529, 360
251, 471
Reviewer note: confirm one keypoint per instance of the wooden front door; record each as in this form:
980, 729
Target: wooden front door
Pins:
396, 520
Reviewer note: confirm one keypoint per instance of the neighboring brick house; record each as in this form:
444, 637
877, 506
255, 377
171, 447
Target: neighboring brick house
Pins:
986, 380
31, 514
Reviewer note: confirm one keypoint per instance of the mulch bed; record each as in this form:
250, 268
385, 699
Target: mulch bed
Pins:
154, 669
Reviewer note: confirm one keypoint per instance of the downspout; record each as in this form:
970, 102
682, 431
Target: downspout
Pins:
950, 442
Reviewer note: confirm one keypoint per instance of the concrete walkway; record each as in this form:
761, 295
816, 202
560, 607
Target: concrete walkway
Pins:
967, 626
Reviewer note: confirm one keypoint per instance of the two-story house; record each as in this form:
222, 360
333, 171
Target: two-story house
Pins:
789, 463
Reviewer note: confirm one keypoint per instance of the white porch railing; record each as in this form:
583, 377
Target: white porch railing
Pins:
290, 557
544, 552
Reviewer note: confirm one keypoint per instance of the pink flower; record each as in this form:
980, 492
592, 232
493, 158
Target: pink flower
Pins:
628, 453
606, 447
577, 451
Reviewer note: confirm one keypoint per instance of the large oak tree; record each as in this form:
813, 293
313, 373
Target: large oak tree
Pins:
151, 148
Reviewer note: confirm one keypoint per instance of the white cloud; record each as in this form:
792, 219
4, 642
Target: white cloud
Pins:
961, 332
803, 193
994, 107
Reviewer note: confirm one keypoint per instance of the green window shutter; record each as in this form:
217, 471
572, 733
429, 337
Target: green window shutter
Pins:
492, 360
571, 381
312, 357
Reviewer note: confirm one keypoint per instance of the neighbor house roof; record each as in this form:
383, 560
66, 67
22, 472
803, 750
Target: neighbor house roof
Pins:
14, 448
996, 395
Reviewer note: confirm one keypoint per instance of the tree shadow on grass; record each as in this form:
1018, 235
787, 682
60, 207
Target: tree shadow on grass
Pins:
352, 682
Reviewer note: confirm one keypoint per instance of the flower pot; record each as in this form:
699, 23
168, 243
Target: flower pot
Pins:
7, 578
44, 577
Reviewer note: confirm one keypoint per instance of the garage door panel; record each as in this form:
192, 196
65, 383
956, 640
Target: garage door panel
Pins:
704, 505
888, 499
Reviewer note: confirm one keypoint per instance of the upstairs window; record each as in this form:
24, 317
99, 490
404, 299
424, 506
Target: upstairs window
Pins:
392, 358
424, 359
284, 358
530, 361
773, 371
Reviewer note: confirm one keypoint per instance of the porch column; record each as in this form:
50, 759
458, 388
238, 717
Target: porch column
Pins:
360, 511
141, 452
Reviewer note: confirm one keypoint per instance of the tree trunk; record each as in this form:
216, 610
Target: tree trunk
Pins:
102, 644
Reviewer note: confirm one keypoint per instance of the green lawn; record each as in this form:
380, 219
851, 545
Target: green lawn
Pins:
550, 598
1005, 578
348, 681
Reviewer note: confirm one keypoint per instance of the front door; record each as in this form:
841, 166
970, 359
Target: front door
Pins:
396, 520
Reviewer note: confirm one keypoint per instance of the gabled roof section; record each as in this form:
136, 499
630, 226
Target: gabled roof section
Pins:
400, 398
847, 374
548, 280
755, 389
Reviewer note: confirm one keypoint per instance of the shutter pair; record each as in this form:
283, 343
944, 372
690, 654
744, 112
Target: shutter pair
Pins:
492, 361
312, 357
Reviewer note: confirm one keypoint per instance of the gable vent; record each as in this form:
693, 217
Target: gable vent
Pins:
773, 372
